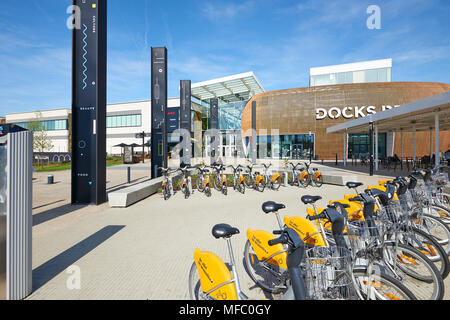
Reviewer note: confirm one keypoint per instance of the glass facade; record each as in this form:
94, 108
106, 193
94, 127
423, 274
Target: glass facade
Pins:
123, 121
230, 115
49, 125
295, 146
358, 146
363, 76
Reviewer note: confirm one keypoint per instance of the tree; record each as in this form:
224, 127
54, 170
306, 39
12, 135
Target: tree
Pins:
41, 141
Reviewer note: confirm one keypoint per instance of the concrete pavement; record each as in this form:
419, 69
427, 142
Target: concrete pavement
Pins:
145, 251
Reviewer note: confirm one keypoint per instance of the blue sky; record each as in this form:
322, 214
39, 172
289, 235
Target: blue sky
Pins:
277, 39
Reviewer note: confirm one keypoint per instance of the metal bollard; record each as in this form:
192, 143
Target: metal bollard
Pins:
129, 175
50, 179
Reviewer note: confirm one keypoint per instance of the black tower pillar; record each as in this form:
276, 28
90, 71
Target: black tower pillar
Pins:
159, 110
214, 129
185, 117
89, 104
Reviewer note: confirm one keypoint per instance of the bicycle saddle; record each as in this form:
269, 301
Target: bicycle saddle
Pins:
224, 231
352, 185
310, 199
271, 206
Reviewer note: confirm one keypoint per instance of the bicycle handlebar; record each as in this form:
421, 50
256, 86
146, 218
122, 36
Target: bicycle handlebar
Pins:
318, 216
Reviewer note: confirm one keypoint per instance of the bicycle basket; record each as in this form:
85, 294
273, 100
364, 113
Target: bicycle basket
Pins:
360, 236
328, 274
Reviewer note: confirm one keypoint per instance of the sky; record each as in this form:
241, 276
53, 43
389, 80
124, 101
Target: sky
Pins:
279, 40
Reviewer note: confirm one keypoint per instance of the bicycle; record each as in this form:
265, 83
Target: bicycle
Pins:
430, 274
313, 177
211, 279
377, 240
238, 179
254, 179
203, 181
186, 184
271, 181
328, 270
166, 186
219, 178
296, 173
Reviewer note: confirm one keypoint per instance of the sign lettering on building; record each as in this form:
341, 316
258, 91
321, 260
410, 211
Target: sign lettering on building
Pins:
349, 112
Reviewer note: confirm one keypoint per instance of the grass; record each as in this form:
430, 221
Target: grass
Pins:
68, 166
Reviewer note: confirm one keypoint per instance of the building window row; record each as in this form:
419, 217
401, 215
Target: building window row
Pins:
123, 121
47, 125
363, 76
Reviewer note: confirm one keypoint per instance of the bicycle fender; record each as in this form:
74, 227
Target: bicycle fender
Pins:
213, 272
259, 241
275, 177
306, 230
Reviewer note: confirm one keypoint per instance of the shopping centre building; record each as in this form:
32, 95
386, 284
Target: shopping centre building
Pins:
290, 123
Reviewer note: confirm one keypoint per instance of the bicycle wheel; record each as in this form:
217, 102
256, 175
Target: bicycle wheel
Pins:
225, 189
166, 193
217, 182
431, 248
440, 212
249, 181
201, 184
305, 181
268, 277
208, 190
319, 181
383, 286
418, 273
195, 289
276, 184
186, 191
242, 188
260, 186
438, 229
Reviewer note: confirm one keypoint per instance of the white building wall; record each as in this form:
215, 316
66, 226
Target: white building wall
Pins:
114, 136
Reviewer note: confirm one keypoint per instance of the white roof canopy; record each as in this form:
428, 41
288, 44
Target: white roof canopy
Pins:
239, 87
418, 115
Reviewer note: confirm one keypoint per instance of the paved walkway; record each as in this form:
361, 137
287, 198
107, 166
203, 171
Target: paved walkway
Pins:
145, 251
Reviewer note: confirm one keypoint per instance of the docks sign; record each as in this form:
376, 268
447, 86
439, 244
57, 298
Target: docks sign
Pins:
348, 112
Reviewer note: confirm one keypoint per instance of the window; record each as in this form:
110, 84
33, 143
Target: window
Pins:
358, 146
49, 125
134, 120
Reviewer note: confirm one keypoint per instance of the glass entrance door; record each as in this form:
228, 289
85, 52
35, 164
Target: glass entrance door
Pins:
297, 152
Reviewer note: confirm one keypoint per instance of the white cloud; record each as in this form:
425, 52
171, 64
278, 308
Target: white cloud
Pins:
221, 11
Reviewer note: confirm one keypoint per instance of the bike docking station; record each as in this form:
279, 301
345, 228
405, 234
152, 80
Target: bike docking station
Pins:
16, 197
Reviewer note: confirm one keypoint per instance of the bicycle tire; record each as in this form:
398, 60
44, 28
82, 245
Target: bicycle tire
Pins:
165, 193
319, 181
305, 182
417, 283
217, 182
249, 181
360, 274
225, 189
208, 191
186, 192
444, 238
200, 184
260, 187
276, 287
440, 212
242, 188
195, 290
435, 253
276, 184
